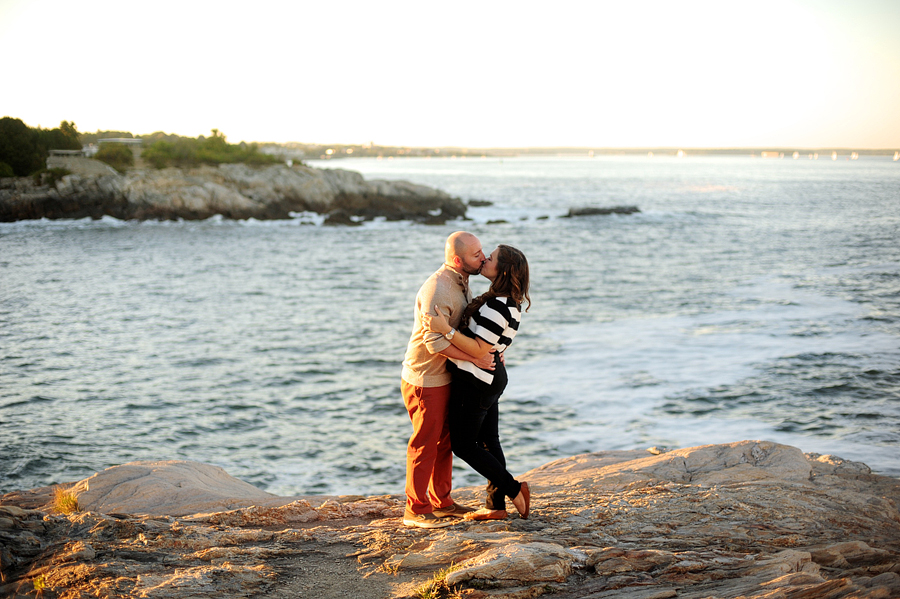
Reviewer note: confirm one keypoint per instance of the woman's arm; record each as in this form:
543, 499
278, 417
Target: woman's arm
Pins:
438, 323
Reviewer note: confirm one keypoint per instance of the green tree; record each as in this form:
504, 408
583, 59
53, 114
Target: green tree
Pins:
70, 134
20, 147
64, 137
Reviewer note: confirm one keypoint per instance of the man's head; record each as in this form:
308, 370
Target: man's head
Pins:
463, 252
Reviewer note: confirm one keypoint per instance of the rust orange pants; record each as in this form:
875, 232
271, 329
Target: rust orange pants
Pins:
429, 459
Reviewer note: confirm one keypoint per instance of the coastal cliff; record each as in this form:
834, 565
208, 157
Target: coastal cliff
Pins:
235, 191
750, 519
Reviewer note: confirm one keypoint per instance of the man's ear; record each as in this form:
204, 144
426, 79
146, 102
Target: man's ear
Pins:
457, 261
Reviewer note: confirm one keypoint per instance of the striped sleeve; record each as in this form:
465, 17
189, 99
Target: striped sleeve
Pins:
496, 322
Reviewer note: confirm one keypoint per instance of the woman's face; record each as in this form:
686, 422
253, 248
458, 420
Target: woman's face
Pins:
491, 265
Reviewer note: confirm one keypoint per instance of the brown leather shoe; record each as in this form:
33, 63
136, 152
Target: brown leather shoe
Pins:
425, 520
453, 511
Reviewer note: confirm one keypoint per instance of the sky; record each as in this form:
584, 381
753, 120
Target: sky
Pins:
784, 73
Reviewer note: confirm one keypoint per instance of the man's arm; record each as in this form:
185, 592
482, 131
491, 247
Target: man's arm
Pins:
434, 293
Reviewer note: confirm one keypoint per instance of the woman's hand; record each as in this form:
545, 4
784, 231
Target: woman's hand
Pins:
438, 324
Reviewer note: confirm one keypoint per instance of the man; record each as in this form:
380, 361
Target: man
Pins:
426, 386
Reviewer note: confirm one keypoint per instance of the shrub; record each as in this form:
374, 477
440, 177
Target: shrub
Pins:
49, 176
6, 170
118, 156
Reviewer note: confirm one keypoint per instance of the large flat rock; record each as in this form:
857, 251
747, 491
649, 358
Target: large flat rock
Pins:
168, 488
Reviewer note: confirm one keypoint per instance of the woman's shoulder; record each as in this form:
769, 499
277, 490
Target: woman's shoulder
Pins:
502, 305
502, 301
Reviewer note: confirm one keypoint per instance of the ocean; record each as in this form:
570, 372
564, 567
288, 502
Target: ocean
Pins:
748, 299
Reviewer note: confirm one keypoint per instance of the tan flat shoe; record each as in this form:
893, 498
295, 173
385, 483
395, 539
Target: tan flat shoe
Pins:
486, 514
523, 501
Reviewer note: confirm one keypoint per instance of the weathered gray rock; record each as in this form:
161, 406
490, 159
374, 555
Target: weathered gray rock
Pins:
231, 190
751, 519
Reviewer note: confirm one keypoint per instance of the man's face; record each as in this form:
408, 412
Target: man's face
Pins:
472, 258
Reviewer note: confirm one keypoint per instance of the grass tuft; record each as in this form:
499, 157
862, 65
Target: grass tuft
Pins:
64, 501
40, 583
437, 587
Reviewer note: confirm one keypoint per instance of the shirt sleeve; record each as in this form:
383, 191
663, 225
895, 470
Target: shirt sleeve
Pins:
490, 321
431, 296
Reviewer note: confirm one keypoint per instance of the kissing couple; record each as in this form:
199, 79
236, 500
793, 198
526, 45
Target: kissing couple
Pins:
453, 376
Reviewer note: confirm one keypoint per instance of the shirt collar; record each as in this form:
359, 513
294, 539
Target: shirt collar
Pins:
458, 277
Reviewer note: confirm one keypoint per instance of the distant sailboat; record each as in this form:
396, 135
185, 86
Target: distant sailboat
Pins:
854, 155
796, 155
834, 155
896, 156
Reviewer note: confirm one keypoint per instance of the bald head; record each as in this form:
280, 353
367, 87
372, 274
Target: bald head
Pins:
463, 252
456, 245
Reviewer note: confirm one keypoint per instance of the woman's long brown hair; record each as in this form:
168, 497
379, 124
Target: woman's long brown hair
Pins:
511, 281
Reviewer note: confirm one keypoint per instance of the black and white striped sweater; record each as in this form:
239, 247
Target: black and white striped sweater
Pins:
496, 322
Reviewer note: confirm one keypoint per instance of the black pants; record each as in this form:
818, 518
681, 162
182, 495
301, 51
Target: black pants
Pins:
474, 434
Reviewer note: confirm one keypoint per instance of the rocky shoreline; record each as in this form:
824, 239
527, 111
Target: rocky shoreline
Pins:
750, 519
235, 191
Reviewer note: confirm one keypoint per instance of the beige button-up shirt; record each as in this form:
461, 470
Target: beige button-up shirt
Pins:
423, 365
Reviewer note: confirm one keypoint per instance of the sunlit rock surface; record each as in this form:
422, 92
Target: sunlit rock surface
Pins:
231, 190
749, 519
168, 488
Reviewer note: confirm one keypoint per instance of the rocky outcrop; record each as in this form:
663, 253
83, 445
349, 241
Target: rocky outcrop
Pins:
750, 519
231, 190
594, 211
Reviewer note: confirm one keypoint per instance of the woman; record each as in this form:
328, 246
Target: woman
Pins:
491, 322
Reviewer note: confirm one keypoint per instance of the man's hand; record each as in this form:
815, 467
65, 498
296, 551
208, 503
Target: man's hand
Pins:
485, 362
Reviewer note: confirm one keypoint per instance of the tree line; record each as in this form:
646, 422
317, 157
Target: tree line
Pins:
188, 151
24, 149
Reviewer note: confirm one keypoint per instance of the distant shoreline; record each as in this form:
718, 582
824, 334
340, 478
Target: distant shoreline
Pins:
350, 151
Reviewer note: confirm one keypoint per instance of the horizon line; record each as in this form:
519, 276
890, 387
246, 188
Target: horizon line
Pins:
606, 148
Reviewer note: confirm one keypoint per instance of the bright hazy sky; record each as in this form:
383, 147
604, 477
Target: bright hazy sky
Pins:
787, 73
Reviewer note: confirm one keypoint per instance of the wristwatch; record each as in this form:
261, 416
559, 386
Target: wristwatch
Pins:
449, 335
